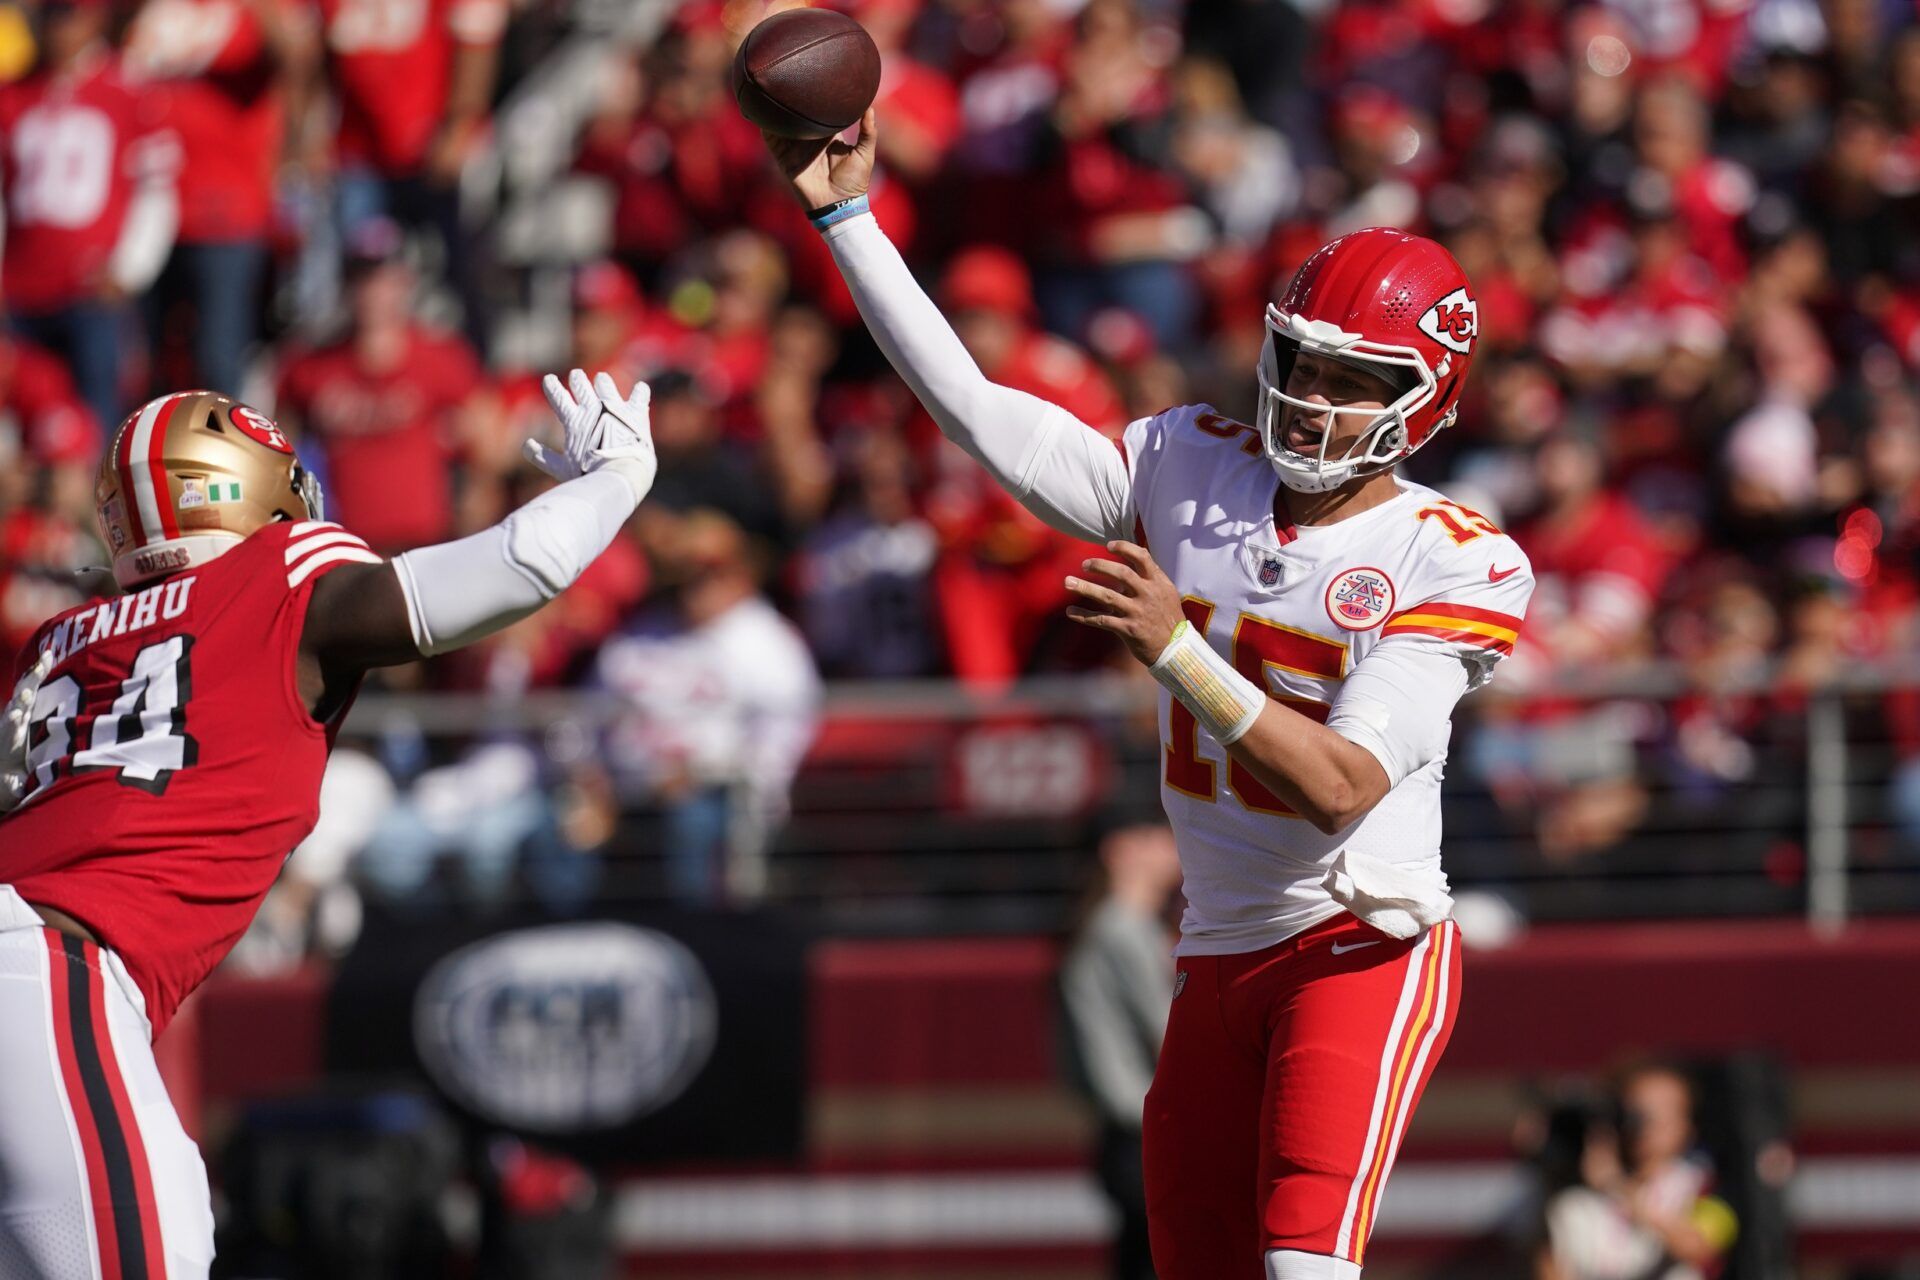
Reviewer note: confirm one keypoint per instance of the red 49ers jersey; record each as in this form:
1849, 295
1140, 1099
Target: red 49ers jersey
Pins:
173, 767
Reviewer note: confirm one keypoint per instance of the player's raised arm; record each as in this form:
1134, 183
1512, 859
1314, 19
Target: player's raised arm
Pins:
1058, 467
434, 599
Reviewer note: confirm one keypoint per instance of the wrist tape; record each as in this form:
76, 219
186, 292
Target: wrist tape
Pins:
1225, 702
838, 211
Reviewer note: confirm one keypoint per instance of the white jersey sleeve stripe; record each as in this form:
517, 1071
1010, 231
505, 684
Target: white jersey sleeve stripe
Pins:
307, 546
335, 555
311, 526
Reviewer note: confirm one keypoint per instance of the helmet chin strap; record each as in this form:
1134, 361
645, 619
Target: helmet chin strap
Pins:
1308, 481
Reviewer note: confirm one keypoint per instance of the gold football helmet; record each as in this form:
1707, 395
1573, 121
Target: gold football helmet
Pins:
189, 475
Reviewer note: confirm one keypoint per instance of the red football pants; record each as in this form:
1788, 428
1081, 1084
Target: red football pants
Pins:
1284, 1087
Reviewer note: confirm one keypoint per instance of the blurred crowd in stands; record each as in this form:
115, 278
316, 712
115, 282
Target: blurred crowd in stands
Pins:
1691, 224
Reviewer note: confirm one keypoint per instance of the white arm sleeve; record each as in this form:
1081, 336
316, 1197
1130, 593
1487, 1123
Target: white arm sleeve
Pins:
458, 592
1398, 704
1058, 467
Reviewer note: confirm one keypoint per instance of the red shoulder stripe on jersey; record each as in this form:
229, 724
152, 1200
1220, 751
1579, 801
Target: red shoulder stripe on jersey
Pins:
1465, 611
1494, 643
120, 1183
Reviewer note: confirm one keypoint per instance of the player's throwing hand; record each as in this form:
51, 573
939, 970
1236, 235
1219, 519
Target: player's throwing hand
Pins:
603, 431
1140, 605
826, 171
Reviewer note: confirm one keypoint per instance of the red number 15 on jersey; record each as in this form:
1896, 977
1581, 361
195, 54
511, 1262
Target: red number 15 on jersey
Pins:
1257, 645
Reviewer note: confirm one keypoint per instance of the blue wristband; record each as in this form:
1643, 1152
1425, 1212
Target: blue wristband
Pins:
840, 212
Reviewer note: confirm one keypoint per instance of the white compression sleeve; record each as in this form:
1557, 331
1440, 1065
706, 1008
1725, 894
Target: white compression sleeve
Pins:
1058, 467
458, 592
1398, 703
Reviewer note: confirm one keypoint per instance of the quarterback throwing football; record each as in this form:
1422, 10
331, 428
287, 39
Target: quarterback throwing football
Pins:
1312, 619
162, 755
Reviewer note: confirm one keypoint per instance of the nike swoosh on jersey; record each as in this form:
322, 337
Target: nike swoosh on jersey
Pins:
1341, 948
1501, 575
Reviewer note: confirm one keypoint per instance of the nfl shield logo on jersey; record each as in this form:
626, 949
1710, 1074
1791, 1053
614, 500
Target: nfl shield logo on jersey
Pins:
1359, 599
1269, 570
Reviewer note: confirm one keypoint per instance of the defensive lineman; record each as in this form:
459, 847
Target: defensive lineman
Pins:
1313, 619
162, 755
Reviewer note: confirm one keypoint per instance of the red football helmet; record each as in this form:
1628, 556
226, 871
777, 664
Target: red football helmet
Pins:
1394, 304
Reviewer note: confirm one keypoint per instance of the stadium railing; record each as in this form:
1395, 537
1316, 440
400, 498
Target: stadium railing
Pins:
1655, 791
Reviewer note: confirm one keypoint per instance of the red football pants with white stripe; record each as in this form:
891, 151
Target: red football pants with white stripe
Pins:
1284, 1087
98, 1181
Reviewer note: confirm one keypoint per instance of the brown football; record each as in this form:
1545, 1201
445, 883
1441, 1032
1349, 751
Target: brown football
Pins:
806, 73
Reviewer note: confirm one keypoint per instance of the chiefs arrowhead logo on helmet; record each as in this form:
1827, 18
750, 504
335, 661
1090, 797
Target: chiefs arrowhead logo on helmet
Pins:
1453, 322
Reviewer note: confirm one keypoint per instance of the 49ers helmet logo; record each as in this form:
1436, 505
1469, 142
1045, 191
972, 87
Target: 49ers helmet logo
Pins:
1453, 322
261, 428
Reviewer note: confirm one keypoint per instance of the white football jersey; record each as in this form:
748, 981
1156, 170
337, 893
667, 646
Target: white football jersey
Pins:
1296, 611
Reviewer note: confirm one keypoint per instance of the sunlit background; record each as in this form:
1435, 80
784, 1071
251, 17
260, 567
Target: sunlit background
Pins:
711, 923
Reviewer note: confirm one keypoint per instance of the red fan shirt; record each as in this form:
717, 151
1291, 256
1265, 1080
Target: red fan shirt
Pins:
172, 764
72, 148
386, 437
391, 68
223, 99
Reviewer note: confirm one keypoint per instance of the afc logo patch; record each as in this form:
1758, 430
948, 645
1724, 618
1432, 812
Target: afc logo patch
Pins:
1453, 322
1359, 599
260, 428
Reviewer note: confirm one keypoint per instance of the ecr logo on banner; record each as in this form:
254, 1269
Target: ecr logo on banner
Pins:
566, 1028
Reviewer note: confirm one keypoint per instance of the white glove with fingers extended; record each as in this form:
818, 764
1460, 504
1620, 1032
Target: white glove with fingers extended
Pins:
16, 733
604, 431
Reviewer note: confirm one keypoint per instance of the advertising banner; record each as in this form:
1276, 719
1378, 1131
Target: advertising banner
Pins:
632, 1038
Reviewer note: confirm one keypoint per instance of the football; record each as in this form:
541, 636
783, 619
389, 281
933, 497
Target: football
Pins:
806, 73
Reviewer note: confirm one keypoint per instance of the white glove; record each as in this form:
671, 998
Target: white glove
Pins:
16, 732
604, 431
